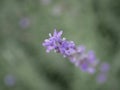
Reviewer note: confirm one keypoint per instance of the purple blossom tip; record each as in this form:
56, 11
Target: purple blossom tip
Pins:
60, 45
58, 34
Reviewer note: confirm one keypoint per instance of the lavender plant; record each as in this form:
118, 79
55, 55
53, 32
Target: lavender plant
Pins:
87, 62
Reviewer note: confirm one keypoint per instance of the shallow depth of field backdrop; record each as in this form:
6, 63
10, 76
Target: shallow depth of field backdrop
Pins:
24, 24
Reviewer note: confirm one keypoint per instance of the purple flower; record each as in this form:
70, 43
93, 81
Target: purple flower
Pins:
24, 22
101, 78
104, 67
9, 80
57, 34
67, 48
91, 56
49, 44
91, 70
81, 49
85, 61
86, 64
60, 45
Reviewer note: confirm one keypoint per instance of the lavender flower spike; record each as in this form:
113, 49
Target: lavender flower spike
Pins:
76, 54
60, 45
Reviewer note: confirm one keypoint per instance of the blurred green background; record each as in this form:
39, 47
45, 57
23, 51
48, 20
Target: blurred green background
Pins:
24, 24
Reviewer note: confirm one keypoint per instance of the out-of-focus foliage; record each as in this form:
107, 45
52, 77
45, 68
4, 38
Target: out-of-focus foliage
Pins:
24, 24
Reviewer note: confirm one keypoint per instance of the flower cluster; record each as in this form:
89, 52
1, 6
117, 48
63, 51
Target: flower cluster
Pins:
76, 54
103, 74
60, 45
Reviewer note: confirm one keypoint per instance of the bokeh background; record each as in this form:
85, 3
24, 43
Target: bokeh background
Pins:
24, 24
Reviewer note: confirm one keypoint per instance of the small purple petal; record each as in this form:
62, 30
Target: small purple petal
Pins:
80, 49
73, 60
91, 70
84, 67
55, 32
60, 33
91, 56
